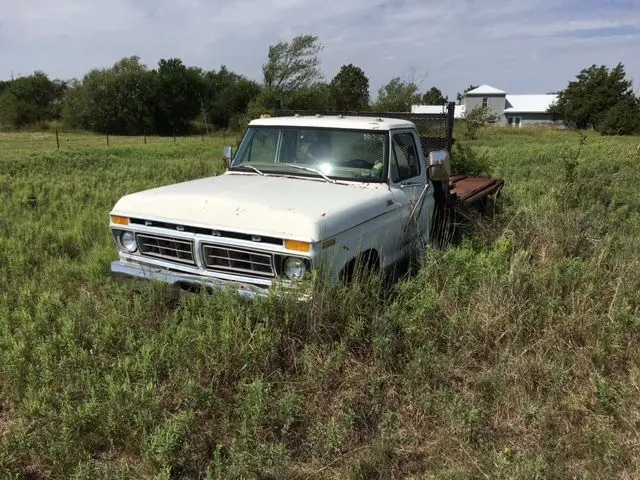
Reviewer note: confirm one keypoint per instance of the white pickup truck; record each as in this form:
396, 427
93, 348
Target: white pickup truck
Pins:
303, 193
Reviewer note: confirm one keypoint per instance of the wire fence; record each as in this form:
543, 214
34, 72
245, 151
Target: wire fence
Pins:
435, 129
61, 139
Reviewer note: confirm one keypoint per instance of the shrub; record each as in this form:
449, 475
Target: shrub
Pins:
477, 119
621, 119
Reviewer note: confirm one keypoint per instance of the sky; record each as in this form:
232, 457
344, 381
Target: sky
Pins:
515, 45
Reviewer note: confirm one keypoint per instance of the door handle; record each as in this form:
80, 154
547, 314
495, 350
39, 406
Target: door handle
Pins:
410, 184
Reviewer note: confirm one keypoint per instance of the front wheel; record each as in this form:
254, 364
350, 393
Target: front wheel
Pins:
363, 267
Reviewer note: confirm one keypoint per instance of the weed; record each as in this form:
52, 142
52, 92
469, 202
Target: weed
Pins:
511, 354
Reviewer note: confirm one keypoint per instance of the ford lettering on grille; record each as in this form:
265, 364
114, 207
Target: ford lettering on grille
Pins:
236, 260
166, 248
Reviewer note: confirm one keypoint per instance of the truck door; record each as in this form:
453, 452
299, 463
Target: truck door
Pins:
408, 179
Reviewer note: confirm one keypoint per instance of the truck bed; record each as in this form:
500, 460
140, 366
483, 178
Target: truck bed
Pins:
468, 190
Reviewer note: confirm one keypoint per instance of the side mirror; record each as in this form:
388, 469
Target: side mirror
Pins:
440, 165
227, 154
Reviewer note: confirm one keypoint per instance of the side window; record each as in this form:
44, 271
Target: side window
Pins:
404, 157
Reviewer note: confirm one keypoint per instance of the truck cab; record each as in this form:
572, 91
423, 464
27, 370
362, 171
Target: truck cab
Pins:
303, 193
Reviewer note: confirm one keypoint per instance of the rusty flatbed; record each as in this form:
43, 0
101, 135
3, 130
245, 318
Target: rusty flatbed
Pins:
468, 190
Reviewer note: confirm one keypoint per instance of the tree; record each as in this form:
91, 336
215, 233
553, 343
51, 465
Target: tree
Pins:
397, 96
31, 100
350, 89
119, 99
228, 96
315, 97
4, 84
293, 65
621, 119
75, 105
587, 100
178, 93
460, 95
434, 97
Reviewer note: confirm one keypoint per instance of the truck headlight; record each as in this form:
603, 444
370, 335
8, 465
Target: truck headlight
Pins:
294, 268
128, 241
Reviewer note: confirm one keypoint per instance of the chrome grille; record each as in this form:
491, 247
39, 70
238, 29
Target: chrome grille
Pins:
236, 260
166, 248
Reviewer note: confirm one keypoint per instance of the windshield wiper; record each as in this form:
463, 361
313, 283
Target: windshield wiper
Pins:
309, 169
251, 167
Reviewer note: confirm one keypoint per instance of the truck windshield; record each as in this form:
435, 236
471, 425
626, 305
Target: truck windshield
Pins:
351, 155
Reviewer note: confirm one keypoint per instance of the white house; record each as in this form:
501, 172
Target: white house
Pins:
514, 110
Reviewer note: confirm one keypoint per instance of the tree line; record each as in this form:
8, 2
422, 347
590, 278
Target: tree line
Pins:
173, 98
128, 98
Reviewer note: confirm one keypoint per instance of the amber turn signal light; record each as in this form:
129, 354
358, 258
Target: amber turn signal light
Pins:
297, 245
119, 220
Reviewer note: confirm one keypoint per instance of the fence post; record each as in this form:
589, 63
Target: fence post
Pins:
107, 139
451, 109
204, 116
57, 139
145, 136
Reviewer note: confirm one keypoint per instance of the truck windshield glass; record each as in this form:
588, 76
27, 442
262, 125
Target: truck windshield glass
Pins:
339, 154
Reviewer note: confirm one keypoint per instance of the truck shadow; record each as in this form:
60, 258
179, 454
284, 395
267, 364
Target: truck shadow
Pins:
451, 225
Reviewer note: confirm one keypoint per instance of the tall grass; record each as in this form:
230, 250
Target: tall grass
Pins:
513, 354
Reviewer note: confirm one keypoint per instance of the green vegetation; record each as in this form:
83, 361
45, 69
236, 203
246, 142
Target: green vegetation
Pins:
514, 354
350, 89
397, 96
477, 119
128, 98
30, 100
601, 99
434, 97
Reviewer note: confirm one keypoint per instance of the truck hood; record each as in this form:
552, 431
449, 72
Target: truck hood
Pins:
296, 208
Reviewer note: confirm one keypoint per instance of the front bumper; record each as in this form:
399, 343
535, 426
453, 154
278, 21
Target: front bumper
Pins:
128, 270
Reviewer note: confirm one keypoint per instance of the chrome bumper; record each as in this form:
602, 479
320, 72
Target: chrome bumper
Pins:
128, 270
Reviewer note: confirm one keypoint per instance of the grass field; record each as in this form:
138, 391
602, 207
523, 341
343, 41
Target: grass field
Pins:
515, 354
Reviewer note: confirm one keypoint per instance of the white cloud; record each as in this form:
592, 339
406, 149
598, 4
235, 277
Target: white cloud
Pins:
522, 47
571, 27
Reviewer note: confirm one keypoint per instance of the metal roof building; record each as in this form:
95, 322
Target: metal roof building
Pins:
513, 110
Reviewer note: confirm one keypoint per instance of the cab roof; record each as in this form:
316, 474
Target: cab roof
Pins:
334, 121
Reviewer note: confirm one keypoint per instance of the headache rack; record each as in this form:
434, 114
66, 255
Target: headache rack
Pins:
436, 133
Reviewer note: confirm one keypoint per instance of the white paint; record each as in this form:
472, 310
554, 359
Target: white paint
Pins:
355, 216
333, 121
529, 103
309, 209
486, 90
458, 111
